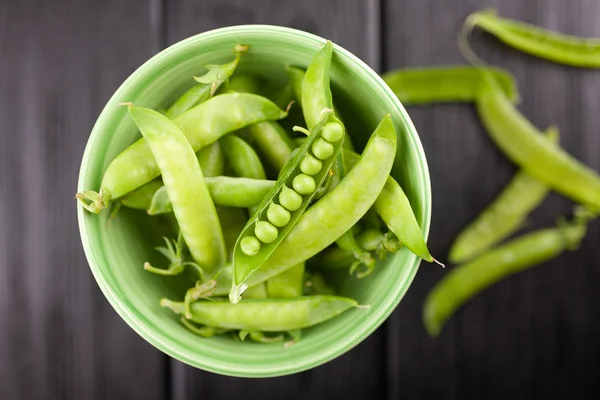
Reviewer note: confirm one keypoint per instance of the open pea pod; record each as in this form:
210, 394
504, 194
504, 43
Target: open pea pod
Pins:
285, 203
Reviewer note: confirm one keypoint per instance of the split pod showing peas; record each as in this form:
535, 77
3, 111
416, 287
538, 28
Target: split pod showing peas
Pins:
286, 202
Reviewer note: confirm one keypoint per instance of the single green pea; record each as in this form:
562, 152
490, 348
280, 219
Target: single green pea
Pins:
265, 232
310, 165
278, 215
250, 245
304, 184
322, 149
333, 132
290, 199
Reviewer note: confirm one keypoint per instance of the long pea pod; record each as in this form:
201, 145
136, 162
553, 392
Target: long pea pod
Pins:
543, 43
296, 76
461, 283
266, 315
316, 90
282, 208
212, 160
202, 125
207, 85
273, 142
316, 97
338, 210
532, 152
242, 158
504, 216
224, 190
447, 84
182, 175
347, 241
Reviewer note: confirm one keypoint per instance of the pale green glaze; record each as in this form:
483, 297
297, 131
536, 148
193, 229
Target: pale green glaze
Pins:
116, 252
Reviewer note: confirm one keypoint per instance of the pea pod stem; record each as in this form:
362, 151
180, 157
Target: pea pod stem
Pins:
464, 282
207, 85
504, 216
532, 152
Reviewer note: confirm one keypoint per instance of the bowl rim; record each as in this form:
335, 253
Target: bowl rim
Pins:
163, 344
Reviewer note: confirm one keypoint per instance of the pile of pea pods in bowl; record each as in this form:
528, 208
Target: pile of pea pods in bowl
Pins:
299, 203
261, 217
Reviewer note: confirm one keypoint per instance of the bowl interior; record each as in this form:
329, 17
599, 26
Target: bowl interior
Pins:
116, 250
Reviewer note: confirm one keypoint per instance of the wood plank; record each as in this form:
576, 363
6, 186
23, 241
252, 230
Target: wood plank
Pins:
59, 337
353, 25
534, 333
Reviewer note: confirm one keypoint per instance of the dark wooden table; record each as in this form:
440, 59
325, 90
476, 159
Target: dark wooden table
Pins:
535, 334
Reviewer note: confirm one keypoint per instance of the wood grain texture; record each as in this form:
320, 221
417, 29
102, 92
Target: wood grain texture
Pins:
59, 337
533, 334
353, 25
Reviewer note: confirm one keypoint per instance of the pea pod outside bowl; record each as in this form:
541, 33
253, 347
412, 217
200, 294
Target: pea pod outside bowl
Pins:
116, 251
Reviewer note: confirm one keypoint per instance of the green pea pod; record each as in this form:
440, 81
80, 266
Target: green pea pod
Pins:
347, 241
296, 76
316, 92
266, 315
242, 158
340, 209
141, 198
202, 125
532, 152
212, 160
224, 190
448, 84
208, 84
504, 216
394, 208
193, 206
284, 205
553, 46
272, 141
462, 283
288, 284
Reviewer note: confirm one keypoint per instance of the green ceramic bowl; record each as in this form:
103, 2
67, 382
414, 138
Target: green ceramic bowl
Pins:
117, 251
